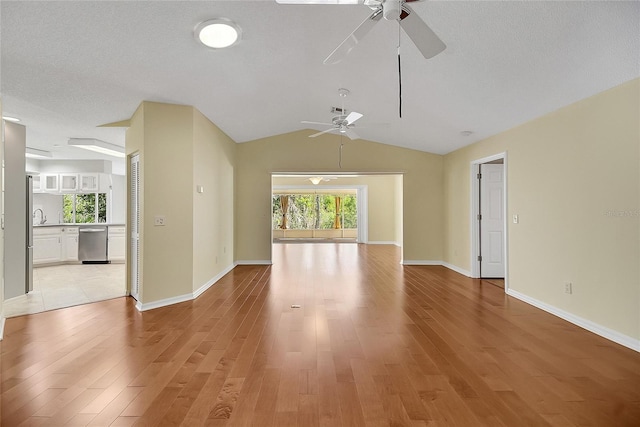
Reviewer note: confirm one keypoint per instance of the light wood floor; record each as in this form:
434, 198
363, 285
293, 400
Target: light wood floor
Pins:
372, 344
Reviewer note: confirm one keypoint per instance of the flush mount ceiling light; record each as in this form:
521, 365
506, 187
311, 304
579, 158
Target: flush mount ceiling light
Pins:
10, 119
97, 146
218, 33
34, 153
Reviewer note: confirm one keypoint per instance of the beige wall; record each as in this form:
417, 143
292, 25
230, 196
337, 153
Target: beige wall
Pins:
295, 152
213, 169
179, 149
166, 155
567, 172
384, 217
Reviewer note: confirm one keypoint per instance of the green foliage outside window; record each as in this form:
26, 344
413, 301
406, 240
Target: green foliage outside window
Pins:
83, 209
315, 211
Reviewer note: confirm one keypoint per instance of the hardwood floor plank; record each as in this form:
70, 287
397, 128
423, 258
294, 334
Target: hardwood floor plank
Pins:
111, 412
374, 343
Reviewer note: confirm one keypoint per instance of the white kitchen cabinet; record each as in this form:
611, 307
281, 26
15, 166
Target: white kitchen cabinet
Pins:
49, 182
117, 244
89, 182
36, 183
68, 182
70, 243
47, 245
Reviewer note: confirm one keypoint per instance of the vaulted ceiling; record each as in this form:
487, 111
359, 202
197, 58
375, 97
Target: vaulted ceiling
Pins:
70, 66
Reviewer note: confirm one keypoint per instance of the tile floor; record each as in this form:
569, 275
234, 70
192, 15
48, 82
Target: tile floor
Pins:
67, 285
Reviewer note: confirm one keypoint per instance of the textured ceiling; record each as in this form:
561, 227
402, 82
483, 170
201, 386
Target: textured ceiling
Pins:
70, 66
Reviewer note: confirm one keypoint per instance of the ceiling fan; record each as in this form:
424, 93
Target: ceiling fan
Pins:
427, 42
342, 123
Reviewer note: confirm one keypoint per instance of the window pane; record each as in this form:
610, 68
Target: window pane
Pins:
67, 208
85, 208
102, 207
316, 211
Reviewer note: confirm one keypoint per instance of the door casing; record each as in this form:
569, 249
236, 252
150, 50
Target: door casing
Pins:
474, 211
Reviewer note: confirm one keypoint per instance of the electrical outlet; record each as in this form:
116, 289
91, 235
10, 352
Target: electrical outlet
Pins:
158, 220
568, 289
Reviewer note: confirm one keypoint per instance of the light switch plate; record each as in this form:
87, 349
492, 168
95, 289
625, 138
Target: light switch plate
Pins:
515, 219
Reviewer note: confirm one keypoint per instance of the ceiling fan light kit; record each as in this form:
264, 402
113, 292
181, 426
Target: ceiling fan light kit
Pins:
391, 9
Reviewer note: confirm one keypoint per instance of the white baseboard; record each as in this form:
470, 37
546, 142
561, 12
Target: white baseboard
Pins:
603, 331
210, 282
382, 242
441, 263
253, 262
186, 297
1, 327
164, 302
456, 269
419, 262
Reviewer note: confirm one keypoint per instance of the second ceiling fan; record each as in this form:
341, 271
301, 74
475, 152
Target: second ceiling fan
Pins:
342, 123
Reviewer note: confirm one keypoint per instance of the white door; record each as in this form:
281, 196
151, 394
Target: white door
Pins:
135, 226
492, 220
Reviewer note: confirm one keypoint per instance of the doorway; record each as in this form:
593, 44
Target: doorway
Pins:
373, 201
489, 252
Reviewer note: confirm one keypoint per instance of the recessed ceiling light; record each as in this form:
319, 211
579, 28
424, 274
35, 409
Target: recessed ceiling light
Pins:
10, 119
218, 33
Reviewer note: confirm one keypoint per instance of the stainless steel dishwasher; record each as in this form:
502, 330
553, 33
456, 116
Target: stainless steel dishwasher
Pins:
92, 244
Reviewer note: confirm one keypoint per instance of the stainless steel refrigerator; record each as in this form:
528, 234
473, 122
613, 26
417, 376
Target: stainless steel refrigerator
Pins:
29, 263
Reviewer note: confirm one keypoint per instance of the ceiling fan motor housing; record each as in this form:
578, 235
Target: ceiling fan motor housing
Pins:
391, 10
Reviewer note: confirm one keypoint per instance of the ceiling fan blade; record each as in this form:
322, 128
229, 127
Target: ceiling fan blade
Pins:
351, 134
427, 42
352, 117
354, 38
316, 123
320, 133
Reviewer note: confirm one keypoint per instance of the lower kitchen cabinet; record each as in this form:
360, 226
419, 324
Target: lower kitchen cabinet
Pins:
53, 245
70, 243
117, 244
47, 245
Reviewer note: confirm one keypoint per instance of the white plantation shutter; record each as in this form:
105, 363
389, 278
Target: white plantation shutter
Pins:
135, 225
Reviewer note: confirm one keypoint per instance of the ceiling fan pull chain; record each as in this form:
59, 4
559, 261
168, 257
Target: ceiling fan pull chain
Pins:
399, 75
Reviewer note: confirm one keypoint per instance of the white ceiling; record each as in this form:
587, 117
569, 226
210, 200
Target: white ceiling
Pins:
70, 66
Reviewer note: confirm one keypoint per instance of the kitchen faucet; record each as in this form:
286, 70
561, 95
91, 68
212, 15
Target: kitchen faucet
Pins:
43, 218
